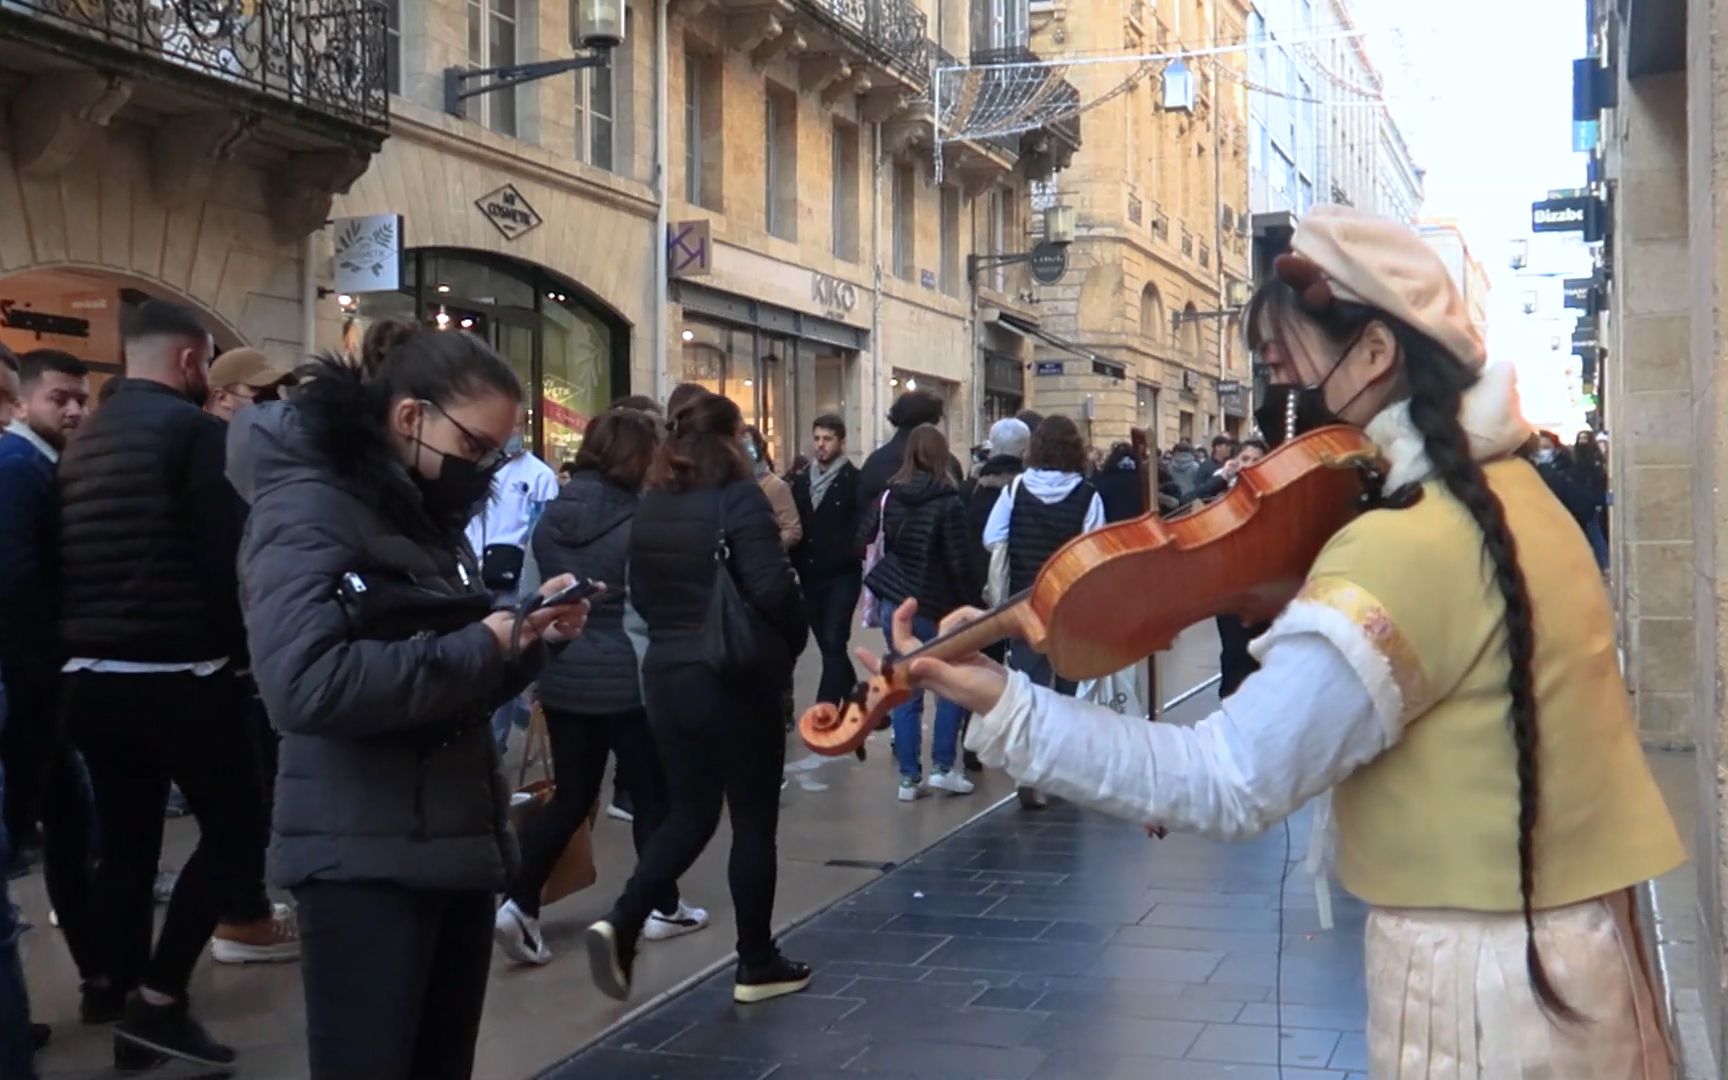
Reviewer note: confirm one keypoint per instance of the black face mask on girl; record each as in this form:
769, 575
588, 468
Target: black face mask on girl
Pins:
459, 488
1289, 411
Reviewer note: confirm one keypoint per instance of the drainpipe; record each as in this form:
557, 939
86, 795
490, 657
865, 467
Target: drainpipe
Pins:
1217, 219
874, 398
308, 295
661, 360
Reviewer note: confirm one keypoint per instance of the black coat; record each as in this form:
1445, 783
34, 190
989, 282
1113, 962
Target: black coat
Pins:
928, 549
149, 528
586, 532
672, 571
980, 494
1123, 491
388, 771
829, 545
884, 463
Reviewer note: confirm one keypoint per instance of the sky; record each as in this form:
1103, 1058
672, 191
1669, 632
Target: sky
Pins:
1483, 92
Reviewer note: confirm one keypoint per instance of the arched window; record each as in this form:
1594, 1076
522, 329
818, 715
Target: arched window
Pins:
1154, 327
1188, 334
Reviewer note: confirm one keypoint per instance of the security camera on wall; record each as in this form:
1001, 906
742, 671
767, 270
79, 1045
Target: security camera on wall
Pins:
600, 23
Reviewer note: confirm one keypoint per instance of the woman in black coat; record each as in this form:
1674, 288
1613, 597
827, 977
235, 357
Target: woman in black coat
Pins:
926, 556
720, 739
591, 693
380, 662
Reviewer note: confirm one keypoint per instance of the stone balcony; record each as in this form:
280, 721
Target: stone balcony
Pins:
296, 87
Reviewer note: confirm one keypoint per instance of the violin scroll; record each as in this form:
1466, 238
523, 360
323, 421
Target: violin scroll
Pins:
836, 730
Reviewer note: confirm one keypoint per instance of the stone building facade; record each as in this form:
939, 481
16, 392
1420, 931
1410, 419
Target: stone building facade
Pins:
1160, 189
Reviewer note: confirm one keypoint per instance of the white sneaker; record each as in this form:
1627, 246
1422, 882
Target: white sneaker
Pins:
910, 790
686, 920
518, 935
954, 783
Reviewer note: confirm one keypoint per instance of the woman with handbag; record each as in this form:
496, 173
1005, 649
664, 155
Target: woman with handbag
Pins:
380, 661
590, 693
926, 555
725, 623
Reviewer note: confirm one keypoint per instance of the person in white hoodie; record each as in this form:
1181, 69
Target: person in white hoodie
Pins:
1048, 505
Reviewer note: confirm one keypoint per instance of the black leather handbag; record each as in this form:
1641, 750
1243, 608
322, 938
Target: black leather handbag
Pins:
737, 642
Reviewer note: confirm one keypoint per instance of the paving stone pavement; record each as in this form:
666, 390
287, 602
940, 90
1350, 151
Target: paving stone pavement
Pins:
1060, 945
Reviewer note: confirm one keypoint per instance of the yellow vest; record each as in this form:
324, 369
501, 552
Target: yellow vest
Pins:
1433, 822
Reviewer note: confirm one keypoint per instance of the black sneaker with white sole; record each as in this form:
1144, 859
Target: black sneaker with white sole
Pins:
611, 959
166, 1031
764, 982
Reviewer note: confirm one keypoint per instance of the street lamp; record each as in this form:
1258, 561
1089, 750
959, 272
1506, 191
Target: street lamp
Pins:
599, 28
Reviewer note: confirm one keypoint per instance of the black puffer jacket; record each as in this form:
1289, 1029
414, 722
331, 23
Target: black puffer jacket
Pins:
586, 532
148, 531
388, 770
927, 549
672, 570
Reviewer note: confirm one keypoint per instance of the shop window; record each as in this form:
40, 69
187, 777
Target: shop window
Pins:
1185, 426
603, 106
951, 240
905, 223
492, 42
780, 159
845, 184
704, 145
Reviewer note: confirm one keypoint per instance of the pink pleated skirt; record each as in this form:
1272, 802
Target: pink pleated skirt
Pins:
1448, 997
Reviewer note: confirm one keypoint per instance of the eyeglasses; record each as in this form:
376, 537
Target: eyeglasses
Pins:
487, 454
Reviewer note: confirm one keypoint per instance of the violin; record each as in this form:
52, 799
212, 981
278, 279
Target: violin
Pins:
1114, 596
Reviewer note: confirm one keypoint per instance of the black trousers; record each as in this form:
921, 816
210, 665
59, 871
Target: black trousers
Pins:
580, 747
721, 744
138, 733
394, 978
250, 902
831, 602
1234, 663
46, 783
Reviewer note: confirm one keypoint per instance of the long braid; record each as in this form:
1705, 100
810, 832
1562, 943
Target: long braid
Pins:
1436, 386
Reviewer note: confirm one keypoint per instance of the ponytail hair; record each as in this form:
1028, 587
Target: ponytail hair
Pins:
1436, 382
703, 449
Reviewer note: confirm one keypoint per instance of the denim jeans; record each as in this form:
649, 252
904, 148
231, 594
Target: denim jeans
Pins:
511, 714
17, 1048
909, 718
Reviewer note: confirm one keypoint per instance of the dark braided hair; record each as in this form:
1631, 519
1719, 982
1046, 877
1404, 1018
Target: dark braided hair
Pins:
1435, 382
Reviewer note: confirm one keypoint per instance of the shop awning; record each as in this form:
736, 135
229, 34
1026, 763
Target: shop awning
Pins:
1101, 365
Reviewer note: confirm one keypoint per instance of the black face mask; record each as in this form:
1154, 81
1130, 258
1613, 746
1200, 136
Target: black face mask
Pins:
1289, 411
455, 494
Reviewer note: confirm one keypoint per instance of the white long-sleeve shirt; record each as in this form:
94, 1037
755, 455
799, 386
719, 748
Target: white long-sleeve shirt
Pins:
1294, 729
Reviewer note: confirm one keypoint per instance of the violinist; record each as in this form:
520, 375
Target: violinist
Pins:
1443, 670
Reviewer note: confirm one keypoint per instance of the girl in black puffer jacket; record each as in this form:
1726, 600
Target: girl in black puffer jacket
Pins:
720, 739
380, 665
927, 556
592, 693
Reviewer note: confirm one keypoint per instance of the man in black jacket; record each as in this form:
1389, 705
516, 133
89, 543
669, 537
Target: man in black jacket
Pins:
827, 557
150, 618
910, 410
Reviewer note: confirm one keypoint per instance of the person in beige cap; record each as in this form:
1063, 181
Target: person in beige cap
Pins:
243, 377
1448, 671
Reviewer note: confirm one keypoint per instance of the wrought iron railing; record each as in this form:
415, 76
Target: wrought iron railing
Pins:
325, 55
894, 32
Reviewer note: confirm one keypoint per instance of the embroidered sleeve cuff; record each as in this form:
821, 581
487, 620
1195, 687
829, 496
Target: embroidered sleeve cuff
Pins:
1359, 627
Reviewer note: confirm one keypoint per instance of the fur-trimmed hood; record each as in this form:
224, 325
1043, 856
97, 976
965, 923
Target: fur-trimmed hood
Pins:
1489, 411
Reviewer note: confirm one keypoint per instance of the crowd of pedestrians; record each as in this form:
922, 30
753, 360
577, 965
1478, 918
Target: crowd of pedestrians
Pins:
306, 604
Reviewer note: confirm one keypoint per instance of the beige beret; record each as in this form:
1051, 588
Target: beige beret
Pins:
1383, 263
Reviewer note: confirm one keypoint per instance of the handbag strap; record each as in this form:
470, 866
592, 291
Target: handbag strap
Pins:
537, 744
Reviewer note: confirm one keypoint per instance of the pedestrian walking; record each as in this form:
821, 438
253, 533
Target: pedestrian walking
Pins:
829, 568
718, 730
380, 660
590, 692
150, 618
1121, 485
926, 556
